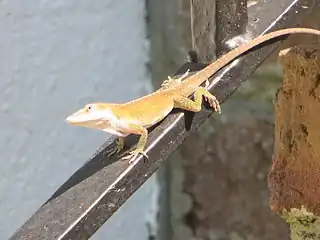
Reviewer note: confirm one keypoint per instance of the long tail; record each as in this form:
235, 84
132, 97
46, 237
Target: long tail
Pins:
201, 76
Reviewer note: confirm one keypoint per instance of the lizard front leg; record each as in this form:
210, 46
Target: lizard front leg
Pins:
195, 106
119, 146
139, 130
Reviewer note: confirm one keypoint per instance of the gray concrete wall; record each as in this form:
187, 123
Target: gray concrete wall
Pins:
56, 56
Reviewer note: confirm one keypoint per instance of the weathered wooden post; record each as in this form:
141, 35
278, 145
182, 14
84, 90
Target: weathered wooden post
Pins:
294, 180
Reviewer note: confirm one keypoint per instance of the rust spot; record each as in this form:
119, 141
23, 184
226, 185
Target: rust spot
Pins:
304, 130
312, 91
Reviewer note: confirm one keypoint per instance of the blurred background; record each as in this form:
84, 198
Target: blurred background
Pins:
58, 55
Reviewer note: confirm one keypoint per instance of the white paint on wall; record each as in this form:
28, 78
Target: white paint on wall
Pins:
56, 56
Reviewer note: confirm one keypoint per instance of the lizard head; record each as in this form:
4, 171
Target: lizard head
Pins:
93, 115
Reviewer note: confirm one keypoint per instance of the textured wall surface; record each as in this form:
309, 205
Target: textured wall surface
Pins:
55, 57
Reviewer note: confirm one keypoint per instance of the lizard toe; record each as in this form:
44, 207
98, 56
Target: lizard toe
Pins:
134, 154
213, 102
114, 151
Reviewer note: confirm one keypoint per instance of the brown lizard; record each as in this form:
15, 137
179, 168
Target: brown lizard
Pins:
136, 116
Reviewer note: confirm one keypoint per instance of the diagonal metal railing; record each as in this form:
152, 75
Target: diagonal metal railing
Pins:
99, 188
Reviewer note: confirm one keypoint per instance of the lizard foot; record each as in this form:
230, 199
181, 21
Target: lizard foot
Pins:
134, 154
213, 102
171, 82
117, 148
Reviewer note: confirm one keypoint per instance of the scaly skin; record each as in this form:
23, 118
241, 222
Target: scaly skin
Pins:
136, 116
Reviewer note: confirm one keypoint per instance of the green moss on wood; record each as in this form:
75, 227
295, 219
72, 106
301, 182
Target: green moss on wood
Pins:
304, 225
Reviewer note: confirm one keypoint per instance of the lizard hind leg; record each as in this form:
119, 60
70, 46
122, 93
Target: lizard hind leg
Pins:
195, 105
170, 82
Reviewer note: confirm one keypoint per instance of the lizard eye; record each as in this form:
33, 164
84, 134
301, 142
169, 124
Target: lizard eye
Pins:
88, 108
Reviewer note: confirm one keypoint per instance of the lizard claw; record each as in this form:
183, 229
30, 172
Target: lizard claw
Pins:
206, 84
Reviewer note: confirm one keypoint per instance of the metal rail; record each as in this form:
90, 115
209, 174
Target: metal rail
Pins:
99, 188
